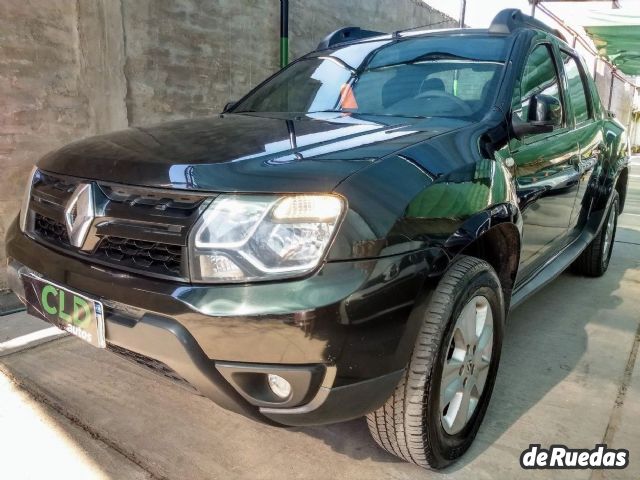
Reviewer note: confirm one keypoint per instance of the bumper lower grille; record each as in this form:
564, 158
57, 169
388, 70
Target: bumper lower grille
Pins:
154, 365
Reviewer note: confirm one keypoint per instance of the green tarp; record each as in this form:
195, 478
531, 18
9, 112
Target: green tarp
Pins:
616, 35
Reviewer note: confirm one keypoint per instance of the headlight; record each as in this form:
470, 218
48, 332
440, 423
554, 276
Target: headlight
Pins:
26, 197
262, 237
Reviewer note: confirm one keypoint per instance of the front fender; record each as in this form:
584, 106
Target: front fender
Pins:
395, 207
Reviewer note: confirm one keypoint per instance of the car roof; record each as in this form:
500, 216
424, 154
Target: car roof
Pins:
506, 23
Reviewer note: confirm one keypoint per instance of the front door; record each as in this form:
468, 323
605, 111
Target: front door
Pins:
546, 178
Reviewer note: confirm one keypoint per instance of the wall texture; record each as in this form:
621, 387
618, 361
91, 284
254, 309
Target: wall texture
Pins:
70, 69
312, 20
189, 58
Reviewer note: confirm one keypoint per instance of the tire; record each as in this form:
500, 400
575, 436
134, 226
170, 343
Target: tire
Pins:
594, 260
409, 425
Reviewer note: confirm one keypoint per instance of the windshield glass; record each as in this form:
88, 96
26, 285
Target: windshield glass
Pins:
452, 76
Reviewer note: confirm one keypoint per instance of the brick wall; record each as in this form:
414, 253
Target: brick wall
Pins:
70, 69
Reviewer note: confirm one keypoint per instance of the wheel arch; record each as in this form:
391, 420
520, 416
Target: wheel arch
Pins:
493, 235
621, 187
499, 246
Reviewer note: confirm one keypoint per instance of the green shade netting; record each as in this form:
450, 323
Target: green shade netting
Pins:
616, 35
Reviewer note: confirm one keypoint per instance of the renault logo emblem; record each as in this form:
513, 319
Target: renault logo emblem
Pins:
79, 214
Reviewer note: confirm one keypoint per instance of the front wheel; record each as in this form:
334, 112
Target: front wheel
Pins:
436, 410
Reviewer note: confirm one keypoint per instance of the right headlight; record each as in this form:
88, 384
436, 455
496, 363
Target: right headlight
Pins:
241, 238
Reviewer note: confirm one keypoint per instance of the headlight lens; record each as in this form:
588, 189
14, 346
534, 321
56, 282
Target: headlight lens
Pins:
241, 238
26, 197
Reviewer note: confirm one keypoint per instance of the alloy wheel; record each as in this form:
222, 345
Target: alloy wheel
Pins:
608, 234
467, 364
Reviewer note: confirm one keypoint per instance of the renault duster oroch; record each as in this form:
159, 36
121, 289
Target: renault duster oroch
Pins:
347, 239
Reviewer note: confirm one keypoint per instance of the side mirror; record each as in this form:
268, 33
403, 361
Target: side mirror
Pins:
544, 113
544, 109
229, 105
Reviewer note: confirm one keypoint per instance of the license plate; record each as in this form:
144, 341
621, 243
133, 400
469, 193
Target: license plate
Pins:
66, 309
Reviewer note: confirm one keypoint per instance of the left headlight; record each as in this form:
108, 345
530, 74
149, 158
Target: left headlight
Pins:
26, 198
241, 238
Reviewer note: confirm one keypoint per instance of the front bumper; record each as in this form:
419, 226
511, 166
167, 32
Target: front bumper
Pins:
344, 331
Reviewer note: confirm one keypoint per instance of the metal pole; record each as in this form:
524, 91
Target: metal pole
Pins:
613, 78
630, 138
595, 67
284, 33
534, 3
463, 11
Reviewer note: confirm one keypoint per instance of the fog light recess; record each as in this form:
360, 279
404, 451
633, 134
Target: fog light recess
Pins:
279, 386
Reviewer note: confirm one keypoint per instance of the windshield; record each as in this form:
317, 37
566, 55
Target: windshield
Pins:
421, 77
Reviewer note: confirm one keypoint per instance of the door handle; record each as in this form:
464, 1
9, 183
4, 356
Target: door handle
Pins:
530, 195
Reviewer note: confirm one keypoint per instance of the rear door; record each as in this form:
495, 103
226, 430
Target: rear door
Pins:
546, 179
588, 132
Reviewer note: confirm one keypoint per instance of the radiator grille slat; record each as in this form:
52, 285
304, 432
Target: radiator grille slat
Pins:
51, 230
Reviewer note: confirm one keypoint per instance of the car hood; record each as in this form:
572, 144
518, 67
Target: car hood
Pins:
243, 153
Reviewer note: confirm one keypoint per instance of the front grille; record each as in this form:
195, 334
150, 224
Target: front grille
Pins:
155, 366
50, 230
137, 229
153, 256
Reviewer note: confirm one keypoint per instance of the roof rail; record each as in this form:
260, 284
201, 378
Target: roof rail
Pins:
510, 19
347, 34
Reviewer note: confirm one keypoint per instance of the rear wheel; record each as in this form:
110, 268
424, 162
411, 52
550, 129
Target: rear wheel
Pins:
436, 410
594, 261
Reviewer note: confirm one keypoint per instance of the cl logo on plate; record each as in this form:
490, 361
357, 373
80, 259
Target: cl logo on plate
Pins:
79, 214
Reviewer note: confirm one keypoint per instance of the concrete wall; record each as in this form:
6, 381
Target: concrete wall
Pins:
70, 69
57, 83
188, 58
312, 20
619, 99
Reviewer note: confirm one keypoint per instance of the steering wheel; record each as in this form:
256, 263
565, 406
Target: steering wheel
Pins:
461, 104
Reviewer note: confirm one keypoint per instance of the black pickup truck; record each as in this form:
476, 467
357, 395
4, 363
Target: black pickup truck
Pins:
345, 240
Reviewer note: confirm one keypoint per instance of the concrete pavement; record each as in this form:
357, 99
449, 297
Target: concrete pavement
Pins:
37, 442
569, 375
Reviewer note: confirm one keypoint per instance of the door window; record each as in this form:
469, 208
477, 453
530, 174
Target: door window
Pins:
539, 77
577, 89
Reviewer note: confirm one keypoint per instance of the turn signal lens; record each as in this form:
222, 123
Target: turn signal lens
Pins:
219, 266
316, 208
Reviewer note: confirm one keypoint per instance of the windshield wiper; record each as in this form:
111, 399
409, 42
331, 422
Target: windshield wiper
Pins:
428, 57
368, 113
